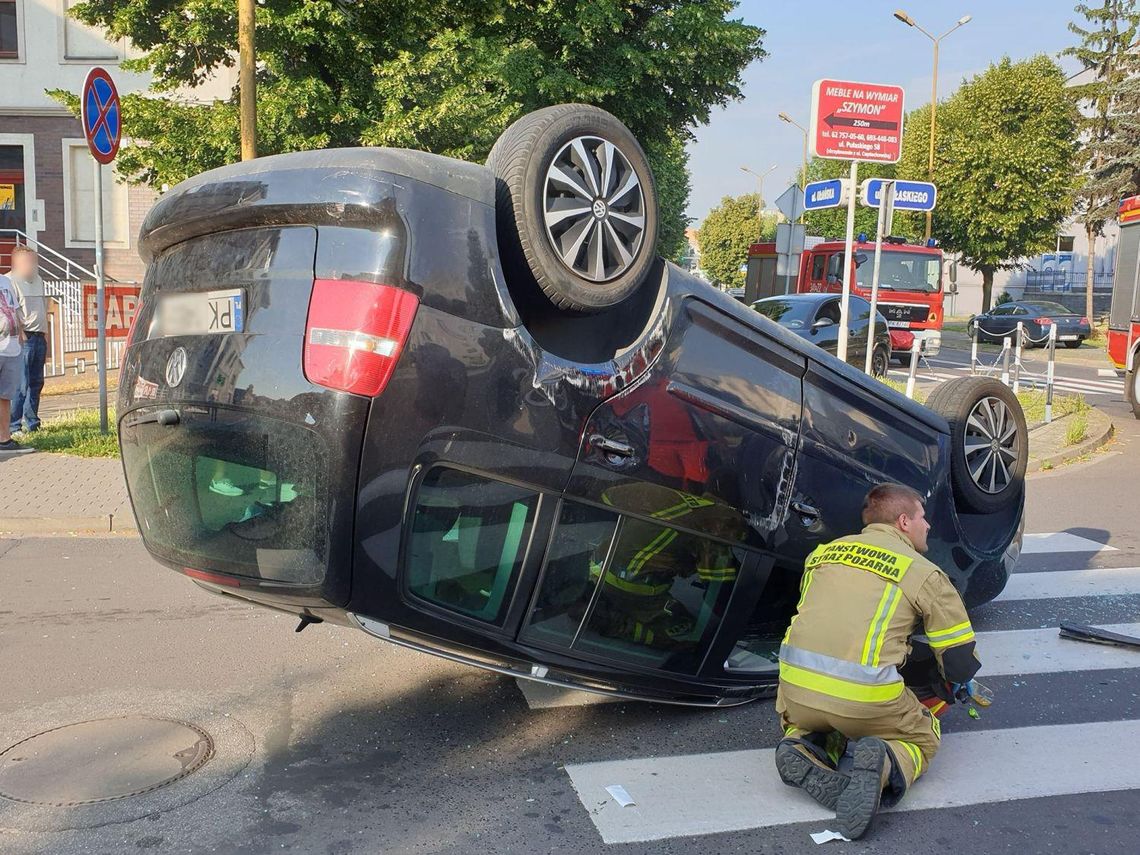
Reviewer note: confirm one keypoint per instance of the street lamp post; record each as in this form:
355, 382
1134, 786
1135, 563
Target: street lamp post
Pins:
760, 188
910, 22
784, 117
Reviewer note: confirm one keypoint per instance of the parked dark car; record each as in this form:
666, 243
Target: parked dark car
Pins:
815, 317
467, 409
1036, 316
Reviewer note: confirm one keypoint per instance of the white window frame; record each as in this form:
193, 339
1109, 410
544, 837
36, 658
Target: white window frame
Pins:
119, 47
69, 240
33, 210
21, 42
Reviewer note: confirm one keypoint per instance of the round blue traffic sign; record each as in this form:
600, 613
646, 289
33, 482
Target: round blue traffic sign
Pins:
102, 116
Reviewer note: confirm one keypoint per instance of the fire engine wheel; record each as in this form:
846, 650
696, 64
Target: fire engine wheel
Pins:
576, 206
1132, 388
989, 442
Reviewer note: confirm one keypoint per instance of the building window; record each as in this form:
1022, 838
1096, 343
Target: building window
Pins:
83, 42
9, 30
79, 200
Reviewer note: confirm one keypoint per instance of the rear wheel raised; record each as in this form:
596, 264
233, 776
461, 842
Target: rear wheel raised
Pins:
989, 442
576, 207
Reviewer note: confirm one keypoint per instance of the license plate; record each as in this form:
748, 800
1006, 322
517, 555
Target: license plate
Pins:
1068, 337
902, 325
206, 313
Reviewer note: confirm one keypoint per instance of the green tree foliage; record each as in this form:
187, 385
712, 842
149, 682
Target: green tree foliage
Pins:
1003, 163
445, 76
1107, 157
727, 232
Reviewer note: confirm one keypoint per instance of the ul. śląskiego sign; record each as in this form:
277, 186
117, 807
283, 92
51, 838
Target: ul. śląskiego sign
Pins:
856, 121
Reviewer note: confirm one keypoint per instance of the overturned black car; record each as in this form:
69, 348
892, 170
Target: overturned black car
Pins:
468, 410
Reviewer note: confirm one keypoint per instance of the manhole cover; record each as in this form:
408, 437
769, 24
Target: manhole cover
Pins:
102, 760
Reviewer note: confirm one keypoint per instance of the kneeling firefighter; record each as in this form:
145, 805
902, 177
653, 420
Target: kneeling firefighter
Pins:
862, 598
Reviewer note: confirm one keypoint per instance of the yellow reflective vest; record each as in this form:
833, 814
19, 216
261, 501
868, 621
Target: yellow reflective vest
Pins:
861, 600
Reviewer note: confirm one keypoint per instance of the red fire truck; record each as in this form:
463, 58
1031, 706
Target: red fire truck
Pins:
910, 283
1124, 313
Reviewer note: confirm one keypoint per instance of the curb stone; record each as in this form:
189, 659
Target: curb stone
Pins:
101, 524
1100, 435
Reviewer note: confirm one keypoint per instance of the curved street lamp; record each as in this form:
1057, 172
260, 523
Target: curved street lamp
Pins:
760, 186
910, 22
784, 117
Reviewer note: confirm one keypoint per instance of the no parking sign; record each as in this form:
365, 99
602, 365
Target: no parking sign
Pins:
102, 118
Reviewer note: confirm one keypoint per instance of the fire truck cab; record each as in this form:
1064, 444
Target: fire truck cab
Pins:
1124, 313
910, 285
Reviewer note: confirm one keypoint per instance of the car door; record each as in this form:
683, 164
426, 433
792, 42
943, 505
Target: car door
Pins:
859, 319
679, 493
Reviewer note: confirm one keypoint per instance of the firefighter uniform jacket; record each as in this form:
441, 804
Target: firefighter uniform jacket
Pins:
861, 599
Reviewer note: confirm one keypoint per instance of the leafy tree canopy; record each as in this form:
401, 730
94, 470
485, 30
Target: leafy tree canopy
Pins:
445, 76
1004, 164
727, 232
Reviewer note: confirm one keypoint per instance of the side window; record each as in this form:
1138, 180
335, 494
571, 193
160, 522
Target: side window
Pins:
1002, 310
835, 267
468, 538
860, 309
829, 310
817, 265
1020, 310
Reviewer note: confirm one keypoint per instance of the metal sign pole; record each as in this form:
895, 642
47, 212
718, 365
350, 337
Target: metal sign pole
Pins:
1049, 375
848, 256
100, 299
886, 215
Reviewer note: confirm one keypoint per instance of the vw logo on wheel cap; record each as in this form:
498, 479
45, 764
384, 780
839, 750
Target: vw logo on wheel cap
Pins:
176, 366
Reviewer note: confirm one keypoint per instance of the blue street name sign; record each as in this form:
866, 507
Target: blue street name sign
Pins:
824, 194
909, 195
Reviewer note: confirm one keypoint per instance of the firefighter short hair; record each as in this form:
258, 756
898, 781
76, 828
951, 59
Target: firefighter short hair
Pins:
885, 503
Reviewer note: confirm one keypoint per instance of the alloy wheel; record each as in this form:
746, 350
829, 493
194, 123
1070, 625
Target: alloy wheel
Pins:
594, 209
991, 444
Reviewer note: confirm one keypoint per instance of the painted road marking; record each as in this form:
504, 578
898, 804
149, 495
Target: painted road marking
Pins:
1107, 372
1052, 585
1061, 541
737, 790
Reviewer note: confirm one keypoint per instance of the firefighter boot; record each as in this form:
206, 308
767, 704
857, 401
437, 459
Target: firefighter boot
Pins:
802, 765
870, 773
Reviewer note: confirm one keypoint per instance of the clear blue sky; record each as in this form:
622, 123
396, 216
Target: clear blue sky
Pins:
810, 39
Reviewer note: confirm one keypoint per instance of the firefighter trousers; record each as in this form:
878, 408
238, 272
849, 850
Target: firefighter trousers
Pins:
907, 726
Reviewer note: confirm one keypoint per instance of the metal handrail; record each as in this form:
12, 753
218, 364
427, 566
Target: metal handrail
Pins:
48, 255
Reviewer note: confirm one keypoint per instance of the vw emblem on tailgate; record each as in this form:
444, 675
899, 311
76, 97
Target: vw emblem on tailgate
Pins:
176, 366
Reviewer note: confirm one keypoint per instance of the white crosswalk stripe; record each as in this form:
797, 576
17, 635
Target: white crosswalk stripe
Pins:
939, 372
738, 790
716, 792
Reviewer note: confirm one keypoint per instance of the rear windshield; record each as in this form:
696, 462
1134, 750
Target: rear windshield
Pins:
231, 491
1047, 308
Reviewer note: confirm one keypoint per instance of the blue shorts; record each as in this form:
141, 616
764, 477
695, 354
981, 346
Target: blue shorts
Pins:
11, 376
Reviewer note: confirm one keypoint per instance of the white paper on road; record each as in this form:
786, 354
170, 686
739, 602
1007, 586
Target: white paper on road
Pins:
1094, 582
620, 795
1061, 541
737, 790
821, 837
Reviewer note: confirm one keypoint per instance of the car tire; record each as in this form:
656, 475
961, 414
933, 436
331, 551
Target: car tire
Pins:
985, 477
576, 207
880, 362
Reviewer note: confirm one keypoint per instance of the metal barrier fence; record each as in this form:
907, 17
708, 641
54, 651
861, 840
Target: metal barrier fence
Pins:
71, 347
1012, 365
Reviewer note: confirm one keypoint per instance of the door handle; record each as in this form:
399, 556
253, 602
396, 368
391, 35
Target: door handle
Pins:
805, 510
611, 446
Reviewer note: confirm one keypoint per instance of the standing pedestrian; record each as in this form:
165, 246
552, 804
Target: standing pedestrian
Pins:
11, 360
29, 289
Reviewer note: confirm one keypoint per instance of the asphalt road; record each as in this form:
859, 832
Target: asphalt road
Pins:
332, 742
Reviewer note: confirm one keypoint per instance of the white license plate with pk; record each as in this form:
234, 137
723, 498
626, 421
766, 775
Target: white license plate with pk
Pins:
205, 313
901, 325
1067, 337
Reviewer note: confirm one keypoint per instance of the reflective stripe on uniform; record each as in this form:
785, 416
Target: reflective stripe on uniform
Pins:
959, 634
837, 688
853, 672
651, 549
640, 589
873, 643
892, 566
915, 756
805, 583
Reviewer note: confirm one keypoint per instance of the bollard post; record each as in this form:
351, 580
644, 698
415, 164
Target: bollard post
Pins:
915, 350
1049, 374
1005, 361
974, 351
1017, 358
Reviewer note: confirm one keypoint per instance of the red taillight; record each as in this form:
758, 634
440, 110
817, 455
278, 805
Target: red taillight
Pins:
1045, 322
355, 334
213, 578
1085, 321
